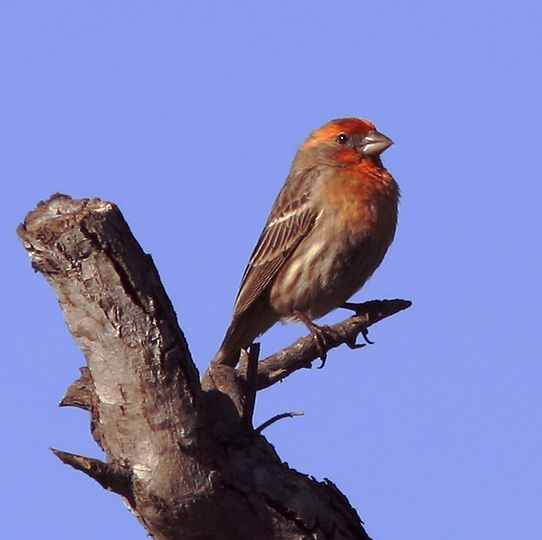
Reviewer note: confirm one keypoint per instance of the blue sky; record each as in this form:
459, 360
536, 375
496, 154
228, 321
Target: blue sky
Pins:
187, 116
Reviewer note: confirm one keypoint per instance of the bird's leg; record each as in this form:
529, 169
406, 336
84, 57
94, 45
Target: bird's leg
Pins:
319, 333
359, 309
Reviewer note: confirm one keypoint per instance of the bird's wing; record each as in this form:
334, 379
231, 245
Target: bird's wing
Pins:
291, 219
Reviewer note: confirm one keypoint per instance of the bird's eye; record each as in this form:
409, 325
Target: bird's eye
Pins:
343, 138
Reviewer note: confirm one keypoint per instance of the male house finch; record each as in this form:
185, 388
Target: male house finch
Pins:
327, 232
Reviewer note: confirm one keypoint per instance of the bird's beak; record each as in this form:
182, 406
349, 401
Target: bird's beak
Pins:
375, 143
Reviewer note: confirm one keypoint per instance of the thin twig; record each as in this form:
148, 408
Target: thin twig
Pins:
252, 374
278, 417
304, 351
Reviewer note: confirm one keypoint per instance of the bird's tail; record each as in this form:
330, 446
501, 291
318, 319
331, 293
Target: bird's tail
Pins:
244, 329
226, 357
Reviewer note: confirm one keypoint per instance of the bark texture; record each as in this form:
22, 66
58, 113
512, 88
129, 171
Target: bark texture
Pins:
181, 452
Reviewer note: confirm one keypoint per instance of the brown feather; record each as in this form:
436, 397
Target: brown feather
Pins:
291, 219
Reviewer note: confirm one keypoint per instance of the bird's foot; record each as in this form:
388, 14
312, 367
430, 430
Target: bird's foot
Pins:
321, 335
358, 309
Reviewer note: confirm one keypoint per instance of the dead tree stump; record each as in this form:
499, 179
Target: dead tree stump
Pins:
180, 451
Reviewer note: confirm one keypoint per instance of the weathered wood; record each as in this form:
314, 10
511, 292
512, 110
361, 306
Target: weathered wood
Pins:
305, 350
184, 456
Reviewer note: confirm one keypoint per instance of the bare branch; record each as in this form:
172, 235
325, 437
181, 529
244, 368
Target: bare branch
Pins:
278, 417
117, 480
252, 373
305, 350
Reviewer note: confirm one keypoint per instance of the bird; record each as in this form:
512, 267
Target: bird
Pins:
328, 231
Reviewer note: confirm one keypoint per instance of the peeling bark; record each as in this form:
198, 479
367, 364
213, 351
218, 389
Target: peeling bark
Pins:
182, 453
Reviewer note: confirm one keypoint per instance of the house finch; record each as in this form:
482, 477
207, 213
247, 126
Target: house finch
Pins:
327, 232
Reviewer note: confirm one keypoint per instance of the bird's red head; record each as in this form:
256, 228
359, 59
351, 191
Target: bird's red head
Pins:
344, 142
